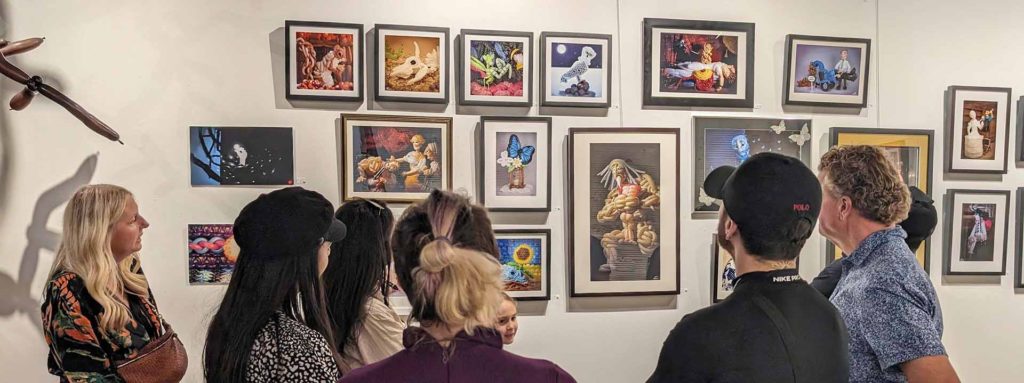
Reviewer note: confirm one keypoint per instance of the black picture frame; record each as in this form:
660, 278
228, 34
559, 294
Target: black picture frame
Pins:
379, 72
1020, 129
951, 127
543, 70
359, 64
928, 136
571, 226
547, 261
461, 68
863, 78
649, 99
1019, 283
481, 171
949, 227
715, 255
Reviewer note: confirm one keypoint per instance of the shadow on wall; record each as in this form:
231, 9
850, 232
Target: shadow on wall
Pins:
17, 295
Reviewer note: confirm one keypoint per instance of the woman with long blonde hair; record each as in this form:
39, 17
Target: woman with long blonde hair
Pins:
97, 307
444, 258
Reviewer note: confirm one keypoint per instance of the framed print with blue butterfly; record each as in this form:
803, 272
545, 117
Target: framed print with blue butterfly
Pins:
516, 171
909, 150
720, 141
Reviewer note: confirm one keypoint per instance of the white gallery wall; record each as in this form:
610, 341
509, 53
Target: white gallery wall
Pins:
151, 69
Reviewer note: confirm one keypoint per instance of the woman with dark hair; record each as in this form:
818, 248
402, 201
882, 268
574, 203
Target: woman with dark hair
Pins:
272, 325
366, 329
444, 258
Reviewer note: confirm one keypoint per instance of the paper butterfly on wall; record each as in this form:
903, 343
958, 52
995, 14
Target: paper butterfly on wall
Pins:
801, 137
516, 155
705, 199
781, 127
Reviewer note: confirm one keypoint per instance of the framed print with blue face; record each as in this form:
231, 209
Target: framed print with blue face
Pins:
525, 257
826, 71
516, 170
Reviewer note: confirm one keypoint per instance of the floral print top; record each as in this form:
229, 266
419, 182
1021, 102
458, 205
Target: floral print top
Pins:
71, 327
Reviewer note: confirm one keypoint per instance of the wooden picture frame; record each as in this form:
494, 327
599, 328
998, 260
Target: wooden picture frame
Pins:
530, 137
606, 165
374, 168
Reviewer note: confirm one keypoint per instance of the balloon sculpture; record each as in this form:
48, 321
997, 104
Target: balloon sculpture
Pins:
34, 84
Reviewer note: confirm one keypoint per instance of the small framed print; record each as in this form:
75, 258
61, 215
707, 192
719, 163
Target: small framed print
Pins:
826, 71
323, 61
241, 156
212, 254
576, 70
1020, 239
977, 133
976, 231
720, 141
495, 68
411, 64
395, 158
623, 211
516, 171
723, 271
698, 63
910, 151
525, 257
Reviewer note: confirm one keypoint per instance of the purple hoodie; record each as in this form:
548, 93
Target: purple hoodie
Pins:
469, 358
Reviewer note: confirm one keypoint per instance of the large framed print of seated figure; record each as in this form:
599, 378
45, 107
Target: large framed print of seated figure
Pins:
977, 223
977, 133
623, 211
910, 151
721, 141
826, 71
698, 63
395, 158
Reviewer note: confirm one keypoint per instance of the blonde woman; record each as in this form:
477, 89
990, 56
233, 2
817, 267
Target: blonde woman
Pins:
97, 308
443, 249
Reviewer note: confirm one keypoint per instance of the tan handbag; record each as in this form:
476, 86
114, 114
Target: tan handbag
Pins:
162, 360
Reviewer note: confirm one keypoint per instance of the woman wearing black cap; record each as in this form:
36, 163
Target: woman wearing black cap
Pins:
272, 325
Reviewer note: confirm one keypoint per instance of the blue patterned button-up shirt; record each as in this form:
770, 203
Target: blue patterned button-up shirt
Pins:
889, 306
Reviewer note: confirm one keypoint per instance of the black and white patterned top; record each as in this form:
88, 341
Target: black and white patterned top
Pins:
288, 351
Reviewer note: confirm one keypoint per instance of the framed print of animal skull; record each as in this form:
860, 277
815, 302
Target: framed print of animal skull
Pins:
720, 141
623, 211
576, 70
516, 170
826, 71
495, 68
395, 158
976, 231
324, 61
411, 64
698, 63
977, 132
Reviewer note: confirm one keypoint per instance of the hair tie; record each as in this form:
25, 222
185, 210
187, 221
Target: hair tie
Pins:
443, 238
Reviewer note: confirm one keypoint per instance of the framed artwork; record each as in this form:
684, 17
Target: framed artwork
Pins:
576, 70
411, 64
977, 137
241, 156
910, 151
723, 271
698, 63
395, 158
826, 71
1020, 239
1020, 130
720, 141
323, 61
212, 254
516, 171
525, 256
623, 211
976, 231
495, 68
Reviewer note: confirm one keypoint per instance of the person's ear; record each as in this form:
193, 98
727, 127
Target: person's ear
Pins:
730, 228
845, 208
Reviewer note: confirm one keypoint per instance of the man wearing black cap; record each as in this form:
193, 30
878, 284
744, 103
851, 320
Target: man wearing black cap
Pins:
773, 327
919, 225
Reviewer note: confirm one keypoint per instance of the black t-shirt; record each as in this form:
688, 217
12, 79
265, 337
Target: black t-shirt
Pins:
774, 327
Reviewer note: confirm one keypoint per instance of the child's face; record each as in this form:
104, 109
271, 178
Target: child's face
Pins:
508, 324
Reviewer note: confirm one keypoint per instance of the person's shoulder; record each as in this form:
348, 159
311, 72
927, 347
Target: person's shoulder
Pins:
65, 285
381, 371
537, 368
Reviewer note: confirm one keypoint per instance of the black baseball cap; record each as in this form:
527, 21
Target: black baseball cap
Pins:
921, 220
767, 195
279, 222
